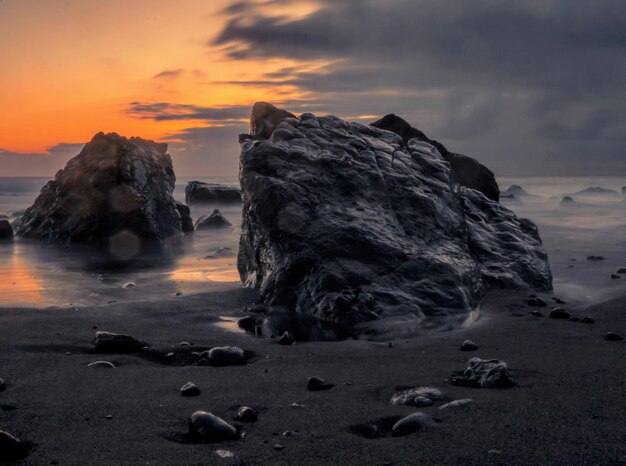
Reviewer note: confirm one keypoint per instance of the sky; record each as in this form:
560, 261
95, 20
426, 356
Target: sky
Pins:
528, 87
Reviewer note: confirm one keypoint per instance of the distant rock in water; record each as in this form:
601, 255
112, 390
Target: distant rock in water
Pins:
568, 201
349, 223
116, 193
6, 231
198, 192
597, 191
516, 190
214, 220
465, 170
623, 190
186, 222
508, 198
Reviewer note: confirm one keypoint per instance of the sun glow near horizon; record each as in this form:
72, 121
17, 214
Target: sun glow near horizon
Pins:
71, 70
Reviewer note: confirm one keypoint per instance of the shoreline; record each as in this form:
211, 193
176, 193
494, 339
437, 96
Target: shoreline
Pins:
567, 406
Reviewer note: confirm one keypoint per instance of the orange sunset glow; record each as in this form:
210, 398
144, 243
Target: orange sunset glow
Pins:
73, 68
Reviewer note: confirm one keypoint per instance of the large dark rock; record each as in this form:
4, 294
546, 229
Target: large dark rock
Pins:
6, 231
466, 171
198, 192
334, 228
117, 193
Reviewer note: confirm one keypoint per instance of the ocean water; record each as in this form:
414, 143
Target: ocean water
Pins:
34, 274
42, 275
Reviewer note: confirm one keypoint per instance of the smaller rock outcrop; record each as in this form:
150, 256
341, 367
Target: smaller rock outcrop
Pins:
116, 193
198, 192
516, 190
421, 396
6, 231
598, 191
568, 201
214, 220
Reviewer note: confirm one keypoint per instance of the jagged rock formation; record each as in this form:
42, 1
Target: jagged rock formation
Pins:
351, 223
116, 193
198, 192
466, 171
215, 220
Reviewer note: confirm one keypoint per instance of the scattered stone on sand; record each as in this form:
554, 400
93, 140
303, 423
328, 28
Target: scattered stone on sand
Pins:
107, 342
559, 301
416, 397
315, 384
615, 276
621, 270
537, 302
613, 337
247, 414
412, 423
208, 427
129, 285
215, 220
463, 402
198, 192
6, 231
483, 373
190, 389
109, 416
595, 258
225, 356
305, 245
582, 320
536, 314
286, 338
278, 446
11, 448
102, 364
116, 194
469, 345
204, 362
184, 344
3, 385
559, 313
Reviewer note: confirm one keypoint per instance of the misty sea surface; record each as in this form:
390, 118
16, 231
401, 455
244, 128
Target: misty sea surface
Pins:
42, 275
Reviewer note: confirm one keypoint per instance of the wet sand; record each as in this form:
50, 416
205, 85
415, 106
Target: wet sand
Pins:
568, 406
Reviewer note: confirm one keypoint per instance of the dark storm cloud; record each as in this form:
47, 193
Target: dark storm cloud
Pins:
164, 111
504, 72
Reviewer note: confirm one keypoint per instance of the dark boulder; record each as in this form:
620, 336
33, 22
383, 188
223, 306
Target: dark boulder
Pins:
6, 231
466, 171
315, 384
198, 192
483, 373
334, 228
186, 222
215, 220
116, 193
207, 427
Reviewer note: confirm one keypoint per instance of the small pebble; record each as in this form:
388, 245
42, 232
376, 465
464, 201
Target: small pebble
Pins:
247, 414
621, 270
537, 302
286, 339
536, 314
559, 301
613, 337
412, 423
559, 313
190, 389
129, 285
102, 364
469, 345
614, 276
315, 384
278, 446
3, 386
109, 416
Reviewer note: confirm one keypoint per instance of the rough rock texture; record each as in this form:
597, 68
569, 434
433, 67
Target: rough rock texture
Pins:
465, 170
516, 190
198, 192
6, 231
214, 220
483, 373
350, 224
117, 192
416, 396
106, 342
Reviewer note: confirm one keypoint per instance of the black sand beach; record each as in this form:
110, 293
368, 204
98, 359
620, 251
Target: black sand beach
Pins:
567, 406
